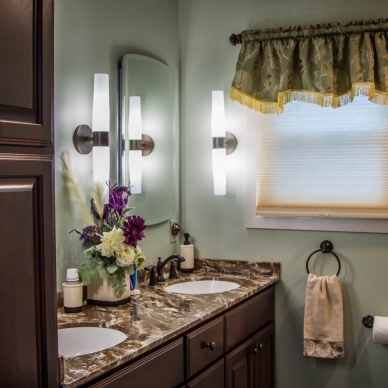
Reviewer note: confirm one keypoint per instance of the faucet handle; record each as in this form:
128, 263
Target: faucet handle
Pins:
173, 274
152, 270
159, 270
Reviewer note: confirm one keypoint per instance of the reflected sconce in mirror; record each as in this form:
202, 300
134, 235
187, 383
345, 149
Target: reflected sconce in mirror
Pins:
224, 143
86, 139
152, 83
139, 145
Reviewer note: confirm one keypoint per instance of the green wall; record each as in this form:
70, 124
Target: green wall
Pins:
207, 62
91, 36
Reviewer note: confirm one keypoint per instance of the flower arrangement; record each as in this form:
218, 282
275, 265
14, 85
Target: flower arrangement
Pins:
110, 235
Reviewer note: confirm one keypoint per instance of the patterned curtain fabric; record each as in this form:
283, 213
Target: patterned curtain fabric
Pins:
324, 64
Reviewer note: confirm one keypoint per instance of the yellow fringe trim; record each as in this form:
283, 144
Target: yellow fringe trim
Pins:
323, 100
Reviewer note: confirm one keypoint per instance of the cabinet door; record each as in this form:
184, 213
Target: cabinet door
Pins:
263, 358
26, 72
28, 328
238, 371
212, 377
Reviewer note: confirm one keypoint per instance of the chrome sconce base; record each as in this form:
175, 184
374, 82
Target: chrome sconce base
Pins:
229, 142
145, 145
85, 139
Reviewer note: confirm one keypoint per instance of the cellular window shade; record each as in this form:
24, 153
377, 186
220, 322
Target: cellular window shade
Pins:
314, 161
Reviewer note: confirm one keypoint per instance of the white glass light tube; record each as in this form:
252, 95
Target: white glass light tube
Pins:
135, 133
101, 123
219, 171
218, 114
219, 154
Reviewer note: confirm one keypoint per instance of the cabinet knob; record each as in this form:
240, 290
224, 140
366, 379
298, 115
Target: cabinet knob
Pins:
211, 345
254, 350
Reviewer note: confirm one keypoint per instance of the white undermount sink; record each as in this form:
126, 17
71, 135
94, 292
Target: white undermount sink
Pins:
76, 341
202, 287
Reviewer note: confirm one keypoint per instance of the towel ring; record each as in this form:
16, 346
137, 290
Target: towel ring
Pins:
326, 247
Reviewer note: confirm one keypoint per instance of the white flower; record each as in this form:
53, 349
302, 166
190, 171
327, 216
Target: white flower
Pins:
126, 257
112, 243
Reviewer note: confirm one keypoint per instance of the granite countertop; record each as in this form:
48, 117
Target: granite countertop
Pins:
156, 316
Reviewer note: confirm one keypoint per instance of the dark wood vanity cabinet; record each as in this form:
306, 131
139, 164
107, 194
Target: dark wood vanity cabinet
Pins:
28, 328
233, 350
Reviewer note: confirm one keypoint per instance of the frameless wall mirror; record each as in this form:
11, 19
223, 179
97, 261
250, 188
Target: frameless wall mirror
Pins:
146, 136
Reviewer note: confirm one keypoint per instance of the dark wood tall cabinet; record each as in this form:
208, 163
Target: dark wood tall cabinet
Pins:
28, 330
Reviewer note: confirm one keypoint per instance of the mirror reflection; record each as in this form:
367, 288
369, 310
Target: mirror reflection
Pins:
146, 136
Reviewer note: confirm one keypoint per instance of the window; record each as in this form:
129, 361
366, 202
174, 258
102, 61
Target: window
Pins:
319, 168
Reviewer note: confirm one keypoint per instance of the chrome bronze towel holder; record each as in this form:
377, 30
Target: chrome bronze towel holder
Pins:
326, 247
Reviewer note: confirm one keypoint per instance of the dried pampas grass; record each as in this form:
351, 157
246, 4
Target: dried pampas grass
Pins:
98, 197
72, 183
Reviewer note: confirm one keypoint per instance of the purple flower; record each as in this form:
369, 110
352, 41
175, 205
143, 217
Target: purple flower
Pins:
134, 230
118, 198
91, 236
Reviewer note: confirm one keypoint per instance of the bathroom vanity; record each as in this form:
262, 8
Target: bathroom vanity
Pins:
194, 341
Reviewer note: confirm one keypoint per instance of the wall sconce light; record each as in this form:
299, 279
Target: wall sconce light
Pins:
139, 145
85, 139
224, 143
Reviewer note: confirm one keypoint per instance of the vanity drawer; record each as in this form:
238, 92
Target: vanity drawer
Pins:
204, 345
161, 369
244, 320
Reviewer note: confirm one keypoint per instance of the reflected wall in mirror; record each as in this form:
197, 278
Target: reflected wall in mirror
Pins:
152, 114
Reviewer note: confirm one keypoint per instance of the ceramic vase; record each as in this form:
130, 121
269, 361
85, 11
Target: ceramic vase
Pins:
100, 292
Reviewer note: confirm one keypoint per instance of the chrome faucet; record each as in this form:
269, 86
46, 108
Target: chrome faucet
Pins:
160, 267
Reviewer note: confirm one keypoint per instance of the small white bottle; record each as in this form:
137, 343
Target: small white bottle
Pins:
187, 251
72, 292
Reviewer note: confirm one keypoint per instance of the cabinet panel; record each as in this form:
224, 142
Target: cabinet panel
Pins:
26, 38
16, 30
161, 369
204, 345
28, 326
237, 368
212, 377
263, 359
244, 320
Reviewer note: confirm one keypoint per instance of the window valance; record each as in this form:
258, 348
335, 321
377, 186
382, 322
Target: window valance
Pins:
324, 64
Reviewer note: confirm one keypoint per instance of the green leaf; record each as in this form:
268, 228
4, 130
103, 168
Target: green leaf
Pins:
75, 230
130, 270
118, 283
106, 228
102, 273
112, 268
129, 209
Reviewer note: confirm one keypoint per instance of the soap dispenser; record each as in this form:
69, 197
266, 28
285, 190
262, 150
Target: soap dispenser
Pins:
187, 251
72, 292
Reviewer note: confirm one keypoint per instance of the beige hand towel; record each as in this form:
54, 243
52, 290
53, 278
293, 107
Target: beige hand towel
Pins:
323, 318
